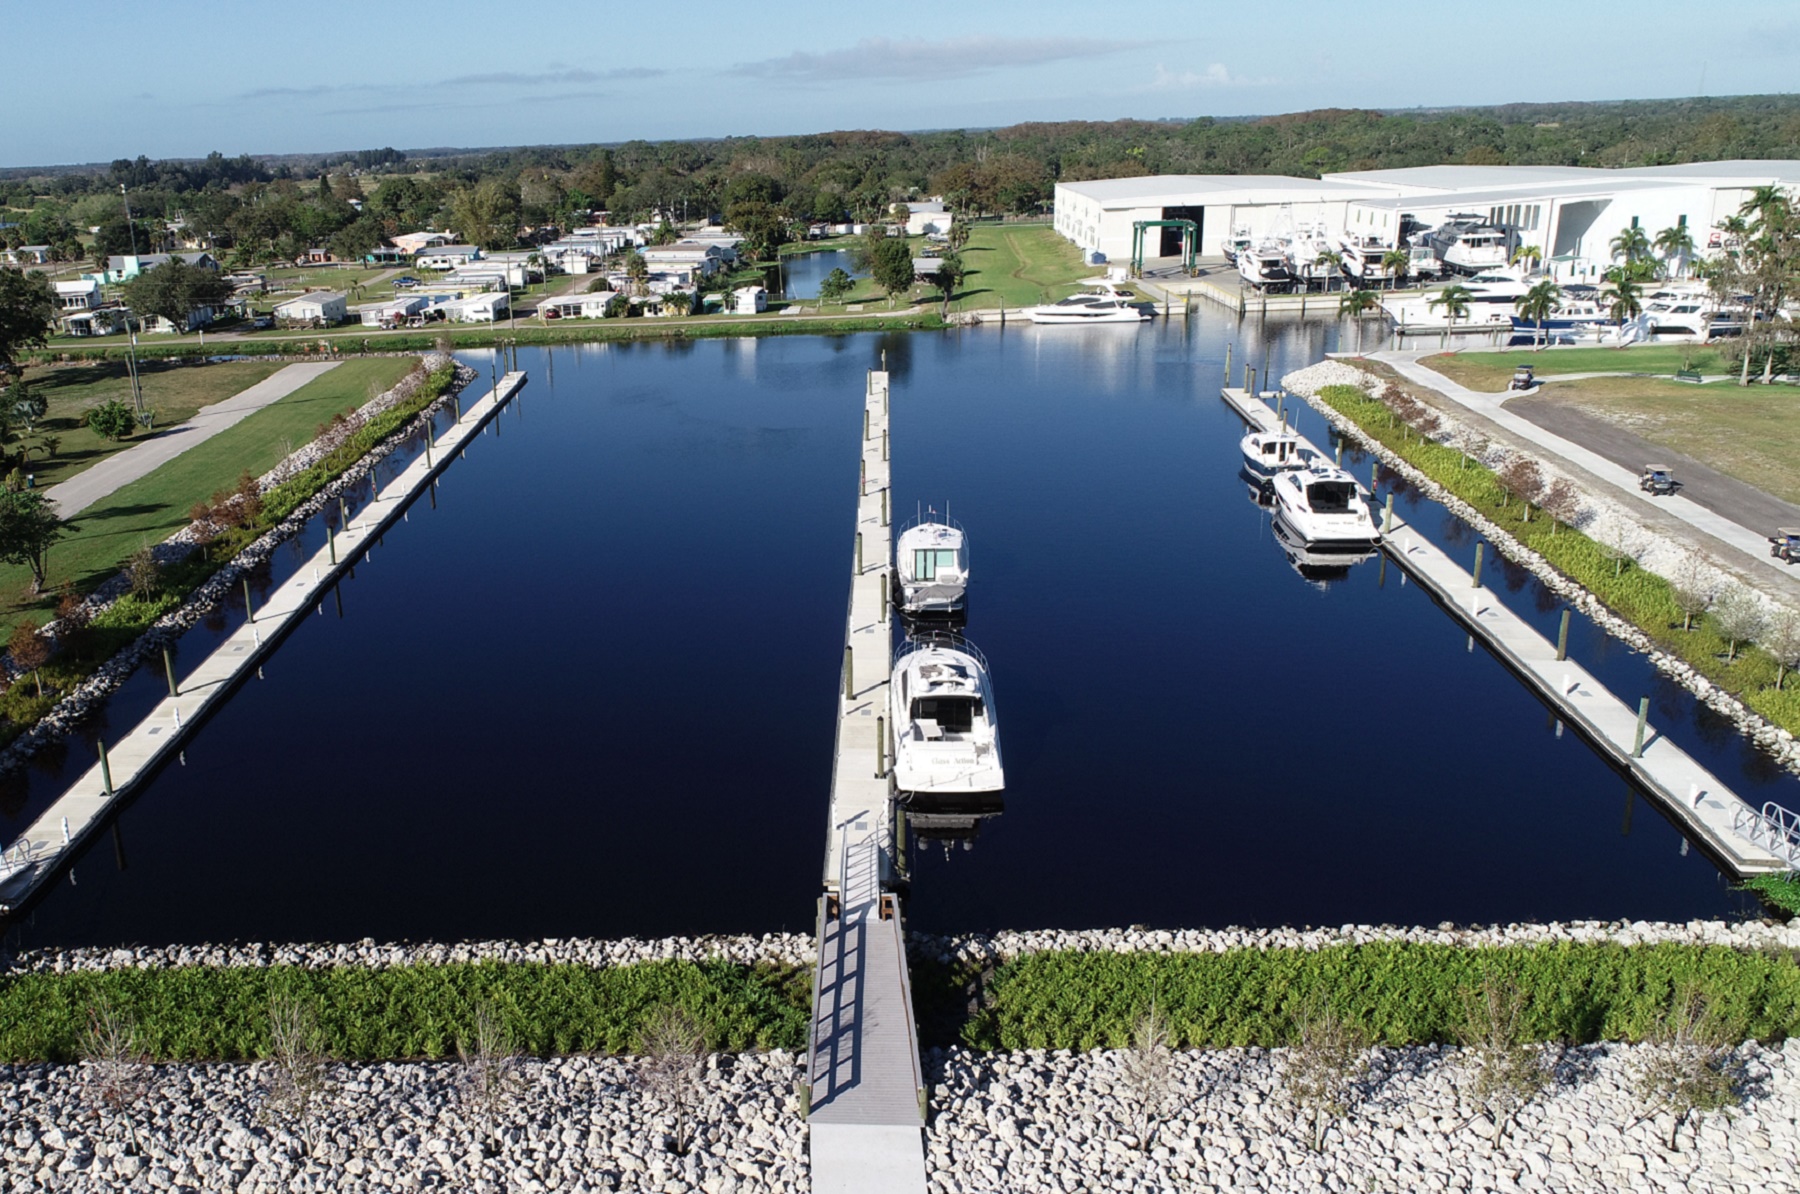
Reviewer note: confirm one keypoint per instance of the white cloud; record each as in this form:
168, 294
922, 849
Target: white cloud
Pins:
1214, 75
950, 58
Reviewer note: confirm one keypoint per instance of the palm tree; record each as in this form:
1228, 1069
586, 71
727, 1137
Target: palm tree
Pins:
1627, 299
1532, 253
1332, 260
1675, 243
1454, 299
1770, 207
1631, 244
1395, 263
1354, 304
1537, 304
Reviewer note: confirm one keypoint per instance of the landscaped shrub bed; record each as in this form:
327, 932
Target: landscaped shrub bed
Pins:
1642, 598
1395, 993
207, 1013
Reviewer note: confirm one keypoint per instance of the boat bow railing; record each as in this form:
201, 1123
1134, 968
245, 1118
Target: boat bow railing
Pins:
940, 638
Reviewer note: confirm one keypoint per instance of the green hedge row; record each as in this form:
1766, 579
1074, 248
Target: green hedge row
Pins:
1396, 993
1642, 598
205, 1013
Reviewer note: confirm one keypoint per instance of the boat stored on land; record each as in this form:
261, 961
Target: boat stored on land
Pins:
1324, 506
1468, 244
931, 565
1265, 263
1103, 302
945, 738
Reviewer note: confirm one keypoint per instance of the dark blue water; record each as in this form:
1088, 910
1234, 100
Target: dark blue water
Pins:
592, 692
802, 274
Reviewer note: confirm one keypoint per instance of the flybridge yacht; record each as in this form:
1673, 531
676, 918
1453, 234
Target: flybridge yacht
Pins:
1103, 302
1265, 263
1362, 257
1237, 242
1491, 300
1324, 507
946, 745
1306, 253
1578, 310
1267, 453
931, 566
1469, 245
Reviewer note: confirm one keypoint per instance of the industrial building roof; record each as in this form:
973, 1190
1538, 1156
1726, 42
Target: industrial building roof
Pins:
1469, 178
1193, 190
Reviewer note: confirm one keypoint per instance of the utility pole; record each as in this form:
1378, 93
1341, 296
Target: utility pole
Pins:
129, 228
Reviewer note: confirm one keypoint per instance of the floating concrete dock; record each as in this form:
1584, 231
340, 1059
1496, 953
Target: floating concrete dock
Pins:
866, 1091
56, 836
1697, 800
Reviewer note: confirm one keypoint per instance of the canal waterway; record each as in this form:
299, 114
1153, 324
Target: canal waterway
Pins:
590, 693
802, 273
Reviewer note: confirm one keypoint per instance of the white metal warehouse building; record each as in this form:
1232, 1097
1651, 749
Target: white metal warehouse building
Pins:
1571, 213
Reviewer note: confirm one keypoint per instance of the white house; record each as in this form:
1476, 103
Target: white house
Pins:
417, 242
315, 308
29, 255
447, 256
102, 321
701, 259
78, 296
130, 265
196, 319
577, 306
925, 217
749, 300
488, 307
391, 314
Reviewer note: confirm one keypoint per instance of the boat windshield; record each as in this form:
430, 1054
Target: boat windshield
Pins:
948, 714
927, 561
1330, 497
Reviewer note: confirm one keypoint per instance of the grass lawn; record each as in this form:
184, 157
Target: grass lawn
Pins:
328, 276
1018, 265
1492, 370
173, 391
154, 507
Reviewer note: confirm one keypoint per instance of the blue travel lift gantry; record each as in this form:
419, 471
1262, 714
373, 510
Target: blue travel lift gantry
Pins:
1190, 241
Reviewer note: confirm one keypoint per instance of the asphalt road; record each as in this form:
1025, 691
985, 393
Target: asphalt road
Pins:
1726, 496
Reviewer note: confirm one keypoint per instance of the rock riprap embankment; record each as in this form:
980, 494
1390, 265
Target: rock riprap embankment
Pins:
1016, 1122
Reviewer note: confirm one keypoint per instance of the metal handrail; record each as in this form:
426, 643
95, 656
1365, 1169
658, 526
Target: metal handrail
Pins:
17, 858
1774, 828
921, 518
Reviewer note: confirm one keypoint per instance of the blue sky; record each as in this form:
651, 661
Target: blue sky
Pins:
175, 78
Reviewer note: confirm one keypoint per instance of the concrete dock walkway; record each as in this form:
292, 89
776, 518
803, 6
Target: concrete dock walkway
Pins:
866, 1090
54, 838
91, 485
1697, 800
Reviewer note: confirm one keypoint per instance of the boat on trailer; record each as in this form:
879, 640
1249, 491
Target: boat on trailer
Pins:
941, 723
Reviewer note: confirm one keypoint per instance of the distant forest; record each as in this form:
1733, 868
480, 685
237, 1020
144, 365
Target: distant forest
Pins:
265, 208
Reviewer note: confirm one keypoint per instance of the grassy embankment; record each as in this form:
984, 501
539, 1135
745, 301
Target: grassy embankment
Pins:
150, 509
1748, 432
1395, 993
1642, 598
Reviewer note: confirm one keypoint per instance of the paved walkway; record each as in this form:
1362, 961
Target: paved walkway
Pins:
1748, 546
85, 488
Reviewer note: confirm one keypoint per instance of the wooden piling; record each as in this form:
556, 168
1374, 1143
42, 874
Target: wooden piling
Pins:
1643, 722
169, 671
1387, 515
849, 675
105, 766
1475, 576
1562, 637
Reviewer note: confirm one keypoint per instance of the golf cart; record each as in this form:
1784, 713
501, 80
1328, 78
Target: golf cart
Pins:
1657, 480
1784, 544
1522, 379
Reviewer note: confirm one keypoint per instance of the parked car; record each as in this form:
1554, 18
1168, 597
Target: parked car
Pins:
262, 323
406, 283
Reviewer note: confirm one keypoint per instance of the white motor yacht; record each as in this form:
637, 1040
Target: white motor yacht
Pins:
1469, 245
1103, 302
1237, 242
1265, 263
941, 720
1362, 258
1491, 300
1307, 251
1324, 506
1269, 452
931, 565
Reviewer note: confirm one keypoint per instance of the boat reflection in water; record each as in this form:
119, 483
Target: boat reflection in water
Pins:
1320, 565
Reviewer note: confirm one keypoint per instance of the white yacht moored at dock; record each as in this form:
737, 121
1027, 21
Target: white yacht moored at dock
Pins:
1267, 453
946, 742
931, 565
1323, 505
1103, 302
